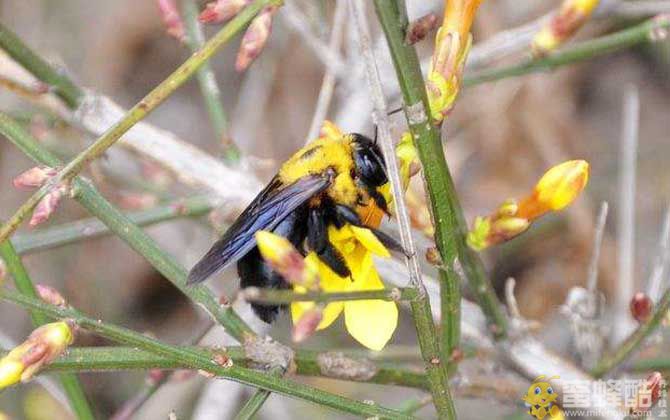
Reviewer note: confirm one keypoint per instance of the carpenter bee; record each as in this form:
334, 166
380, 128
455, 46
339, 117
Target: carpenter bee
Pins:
323, 184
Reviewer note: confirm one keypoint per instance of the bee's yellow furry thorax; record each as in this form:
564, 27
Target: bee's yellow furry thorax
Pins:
319, 156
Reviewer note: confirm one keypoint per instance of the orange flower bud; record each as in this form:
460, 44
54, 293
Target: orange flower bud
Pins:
452, 44
558, 188
255, 38
171, 19
286, 260
563, 25
34, 177
42, 346
222, 10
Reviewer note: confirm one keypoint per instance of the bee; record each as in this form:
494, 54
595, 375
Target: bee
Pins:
324, 184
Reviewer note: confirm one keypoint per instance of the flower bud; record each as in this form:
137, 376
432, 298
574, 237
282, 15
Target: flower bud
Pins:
50, 295
255, 38
42, 346
286, 260
557, 189
641, 307
307, 324
34, 177
563, 25
171, 19
419, 29
452, 44
47, 205
222, 10
487, 232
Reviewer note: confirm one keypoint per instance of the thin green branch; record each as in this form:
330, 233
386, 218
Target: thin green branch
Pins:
68, 233
277, 296
450, 226
309, 363
202, 360
117, 222
393, 18
56, 79
251, 407
211, 94
607, 44
137, 113
630, 344
25, 286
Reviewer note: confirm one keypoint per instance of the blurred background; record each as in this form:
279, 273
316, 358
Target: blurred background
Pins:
501, 137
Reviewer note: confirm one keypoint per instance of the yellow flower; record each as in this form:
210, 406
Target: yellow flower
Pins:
571, 16
42, 346
370, 322
557, 189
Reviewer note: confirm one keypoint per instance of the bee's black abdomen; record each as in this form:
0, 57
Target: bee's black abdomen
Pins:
255, 272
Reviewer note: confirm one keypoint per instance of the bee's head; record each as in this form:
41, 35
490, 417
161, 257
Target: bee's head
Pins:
369, 160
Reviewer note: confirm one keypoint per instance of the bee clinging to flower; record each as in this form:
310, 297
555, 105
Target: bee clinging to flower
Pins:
332, 183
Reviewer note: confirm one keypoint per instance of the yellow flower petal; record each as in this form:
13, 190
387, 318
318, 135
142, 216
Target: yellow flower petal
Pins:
370, 322
370, 241
330, 282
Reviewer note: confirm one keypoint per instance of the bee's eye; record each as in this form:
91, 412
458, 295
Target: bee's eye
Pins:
550, 391
538, 391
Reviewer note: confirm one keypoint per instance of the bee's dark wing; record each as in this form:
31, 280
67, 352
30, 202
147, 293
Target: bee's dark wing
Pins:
269, 208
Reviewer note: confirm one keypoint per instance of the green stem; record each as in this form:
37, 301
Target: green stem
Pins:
450, 226
626, 38
393, 18
257, 400
195, 358
117, 222
277, 296
68, 233
608, 363
44, 71
209, 88
137, 112
25, 286
309, 363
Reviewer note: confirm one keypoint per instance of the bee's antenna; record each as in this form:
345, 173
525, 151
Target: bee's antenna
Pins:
376, 134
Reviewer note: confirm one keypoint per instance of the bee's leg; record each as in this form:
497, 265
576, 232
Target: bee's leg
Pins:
350, 216
379, 200
317, 240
